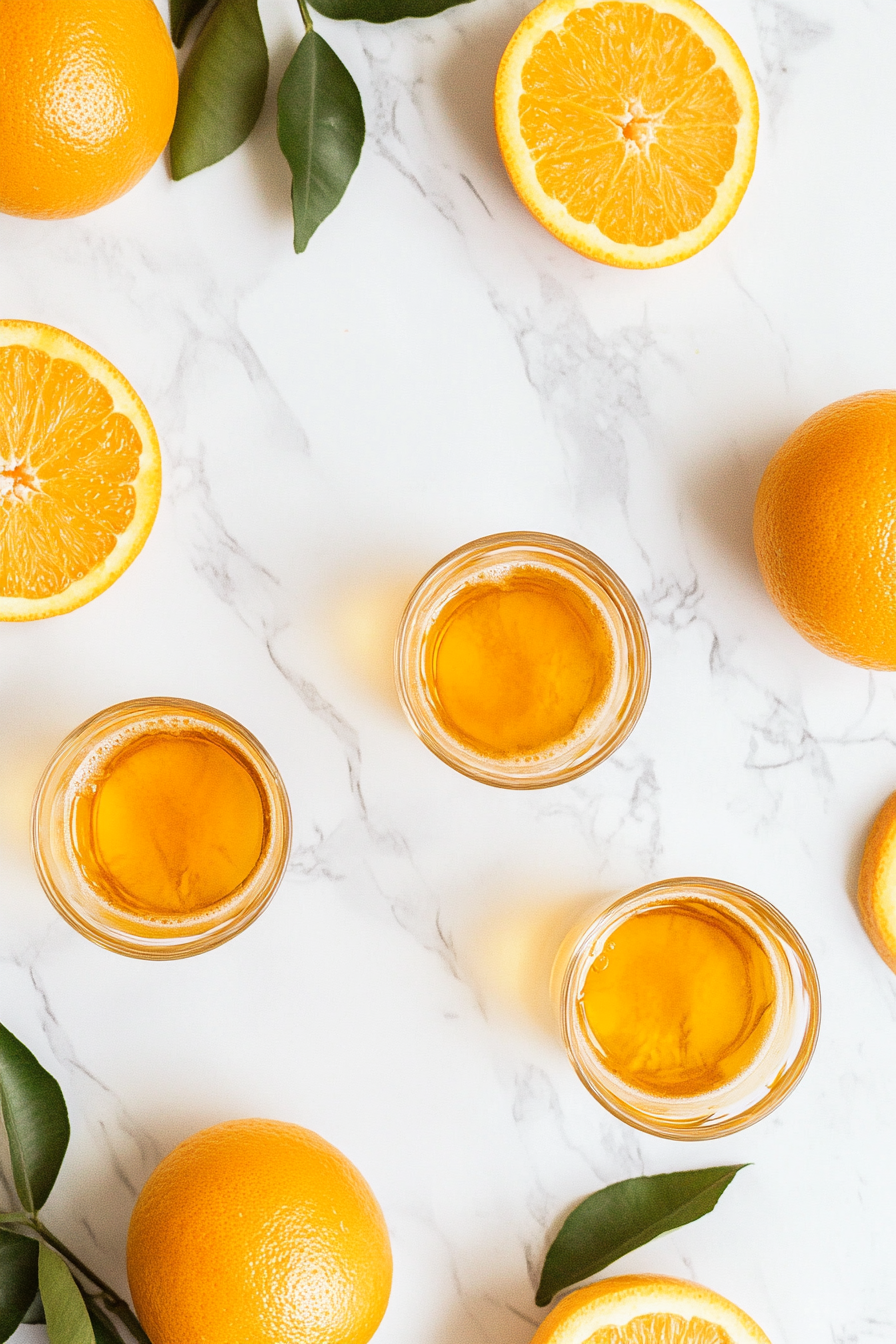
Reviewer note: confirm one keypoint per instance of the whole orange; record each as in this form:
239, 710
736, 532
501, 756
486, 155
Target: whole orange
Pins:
258, 1232
824, 528
88, 93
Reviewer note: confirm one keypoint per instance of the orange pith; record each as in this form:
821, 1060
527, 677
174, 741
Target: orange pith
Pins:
258, 1232
88, 93
628, 127
80, 472
825, 529
647, 1309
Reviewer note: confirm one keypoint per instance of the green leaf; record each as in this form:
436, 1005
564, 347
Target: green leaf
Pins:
222, 88
383, 11
35, 1313
123, 1311
320, 125
36, 1121
183, 12
67, 1319
18, 1280
104, 1331
622, 1217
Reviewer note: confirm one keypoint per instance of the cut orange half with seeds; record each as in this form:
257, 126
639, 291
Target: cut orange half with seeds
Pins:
80, 472
628, 127
647, 1309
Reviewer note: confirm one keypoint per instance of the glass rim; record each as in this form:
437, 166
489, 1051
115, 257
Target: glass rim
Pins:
426, 601
179, 944
575, 952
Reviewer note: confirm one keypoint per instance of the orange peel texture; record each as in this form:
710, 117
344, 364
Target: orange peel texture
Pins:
260, 1232
824, 528
88, 93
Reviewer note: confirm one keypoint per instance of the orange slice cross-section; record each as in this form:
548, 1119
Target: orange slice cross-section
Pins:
628, 127
647, 1309
80, 472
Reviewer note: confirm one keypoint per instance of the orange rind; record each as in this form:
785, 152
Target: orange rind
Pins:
258, 1232
824, 529
647, 1309
877, 883
88, 95
628, 127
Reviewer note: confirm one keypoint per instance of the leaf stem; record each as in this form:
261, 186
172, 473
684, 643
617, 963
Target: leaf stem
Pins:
306, 17
46, 1235
102, 1317
106, 1295
124, 1313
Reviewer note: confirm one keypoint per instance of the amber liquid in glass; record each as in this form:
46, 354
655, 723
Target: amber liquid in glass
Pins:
680, 1000
518, 664
170, 824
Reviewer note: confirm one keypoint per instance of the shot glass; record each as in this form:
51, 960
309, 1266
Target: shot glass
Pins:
702, 970
574, 595
160, 828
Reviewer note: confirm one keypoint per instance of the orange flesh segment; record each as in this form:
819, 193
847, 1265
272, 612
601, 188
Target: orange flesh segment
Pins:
630, 122
67, 460
662, 1328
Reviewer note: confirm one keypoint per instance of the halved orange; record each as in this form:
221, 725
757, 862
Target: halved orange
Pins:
647, 1309
877, 883
80, 472
628, 127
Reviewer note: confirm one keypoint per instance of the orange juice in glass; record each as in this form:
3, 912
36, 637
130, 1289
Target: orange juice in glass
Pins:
689, 1008
161, 828
522, 660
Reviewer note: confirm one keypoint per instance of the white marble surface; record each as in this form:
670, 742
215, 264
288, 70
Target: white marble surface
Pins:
436, 367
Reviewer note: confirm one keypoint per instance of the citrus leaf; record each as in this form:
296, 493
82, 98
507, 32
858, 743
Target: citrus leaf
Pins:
67, 1319
222, 88
624, 1216
383, 11
183, 12
18, 1280
320, 126
36, 1121
35, 1313
124, 1313
103, 1329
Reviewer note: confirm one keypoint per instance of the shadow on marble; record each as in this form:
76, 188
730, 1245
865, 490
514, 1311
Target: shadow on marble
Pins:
489, 1319
28, 738
129, 1146
97, 1227
268, 166
362, 621
723, 493
466, 83
511, 954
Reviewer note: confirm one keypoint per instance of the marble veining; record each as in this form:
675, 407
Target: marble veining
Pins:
434, 368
